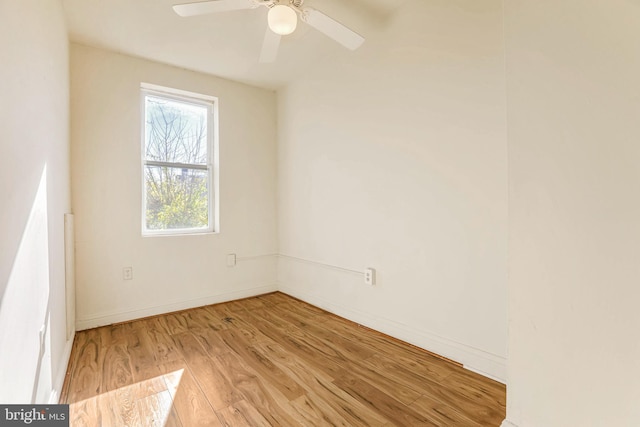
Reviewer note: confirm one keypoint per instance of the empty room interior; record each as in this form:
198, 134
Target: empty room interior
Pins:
321, 212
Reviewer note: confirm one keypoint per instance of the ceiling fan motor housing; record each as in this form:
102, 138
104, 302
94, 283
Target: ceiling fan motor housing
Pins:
282, 19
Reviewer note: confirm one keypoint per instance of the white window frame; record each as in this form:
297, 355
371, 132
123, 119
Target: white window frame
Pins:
211, 103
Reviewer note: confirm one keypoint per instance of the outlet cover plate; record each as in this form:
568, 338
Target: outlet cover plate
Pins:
370, 276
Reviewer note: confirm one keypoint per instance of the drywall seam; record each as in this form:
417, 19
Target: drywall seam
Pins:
126, 315
476, 360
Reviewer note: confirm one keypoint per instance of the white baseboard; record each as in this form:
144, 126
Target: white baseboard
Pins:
58, 382
485, 374
506, 423
476, 360
103, 319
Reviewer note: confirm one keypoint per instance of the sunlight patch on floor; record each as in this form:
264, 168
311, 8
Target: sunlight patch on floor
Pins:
147, 403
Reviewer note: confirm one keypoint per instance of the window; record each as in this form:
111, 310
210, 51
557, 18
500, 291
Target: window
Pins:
177, 161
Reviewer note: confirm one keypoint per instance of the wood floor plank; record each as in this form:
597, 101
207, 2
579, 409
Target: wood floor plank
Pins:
108, 410
383, 345
442, 414
211, 341
163, 347
191, 405
475, 387
116, 371
140, 351
267, 361
409, 368
192, 319
237, 307
261, 364
114, 334
252, 303
294, 364
272, 299
213, 383
381, 402
384, 381
85, 413
348, 348
320, 383
204, 319
304, 311
157, 411
221, 311
150, 386
241, 414
311, 352
123, 403
173, 323
269, 317
303, 305
85, 382
339, 360
411, 375
247, 327
287, 312
469, 407
317, 412
267, 400
475, 402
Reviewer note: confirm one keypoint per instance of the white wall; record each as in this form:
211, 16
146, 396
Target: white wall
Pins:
394, 157
574, 202
34, 194
169, 272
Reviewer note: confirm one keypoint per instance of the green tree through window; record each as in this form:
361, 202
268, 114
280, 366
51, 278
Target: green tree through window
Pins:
177, 172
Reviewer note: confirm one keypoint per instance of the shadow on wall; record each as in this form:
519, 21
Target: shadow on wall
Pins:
24, 318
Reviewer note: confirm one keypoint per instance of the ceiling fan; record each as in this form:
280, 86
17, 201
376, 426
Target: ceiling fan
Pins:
282, 20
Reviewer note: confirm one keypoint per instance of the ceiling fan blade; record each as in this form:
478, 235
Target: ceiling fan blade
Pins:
270, 46
213, 6
332, 28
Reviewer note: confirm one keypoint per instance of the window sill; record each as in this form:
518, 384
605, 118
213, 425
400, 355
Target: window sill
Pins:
181, 234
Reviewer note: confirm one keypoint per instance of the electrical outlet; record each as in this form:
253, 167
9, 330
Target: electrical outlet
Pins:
127, 273
231, 260
370, 276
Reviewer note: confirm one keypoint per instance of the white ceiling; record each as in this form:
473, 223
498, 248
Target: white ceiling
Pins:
224, 44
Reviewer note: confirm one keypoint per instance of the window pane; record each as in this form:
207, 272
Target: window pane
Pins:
176, 198
175, 132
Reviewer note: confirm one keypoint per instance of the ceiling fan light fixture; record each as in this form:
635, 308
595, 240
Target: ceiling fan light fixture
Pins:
282, 19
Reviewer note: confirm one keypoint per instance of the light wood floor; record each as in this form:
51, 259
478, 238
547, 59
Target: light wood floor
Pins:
268, 360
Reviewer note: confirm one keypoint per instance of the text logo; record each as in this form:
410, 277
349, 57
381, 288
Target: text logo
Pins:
34, 415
